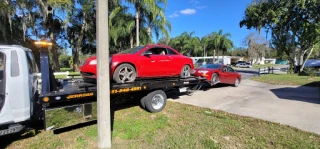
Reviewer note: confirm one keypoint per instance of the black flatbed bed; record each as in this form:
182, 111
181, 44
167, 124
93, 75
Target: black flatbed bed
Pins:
77, 89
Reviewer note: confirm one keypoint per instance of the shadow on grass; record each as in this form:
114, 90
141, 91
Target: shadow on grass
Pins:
306, 93
24, 134
37, 126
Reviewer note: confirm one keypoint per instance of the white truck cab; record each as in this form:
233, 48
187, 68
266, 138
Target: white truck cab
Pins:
18, 85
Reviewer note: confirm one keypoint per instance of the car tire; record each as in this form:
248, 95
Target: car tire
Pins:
155, 101
128, 71
236, 82
185, 71
214, 79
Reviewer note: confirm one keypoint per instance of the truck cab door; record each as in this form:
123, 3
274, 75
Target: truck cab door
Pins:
2, 80
33, 70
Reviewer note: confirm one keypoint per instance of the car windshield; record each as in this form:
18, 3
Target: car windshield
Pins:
132, 50
211, 66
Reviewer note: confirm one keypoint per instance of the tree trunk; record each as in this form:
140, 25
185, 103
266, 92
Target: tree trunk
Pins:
304, 62
204, 53
149, 31
54, 52
137, 26
214, 55
131, 41
79, 42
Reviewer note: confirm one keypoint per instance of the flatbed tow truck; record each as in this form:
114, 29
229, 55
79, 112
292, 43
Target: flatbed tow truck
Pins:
60, 103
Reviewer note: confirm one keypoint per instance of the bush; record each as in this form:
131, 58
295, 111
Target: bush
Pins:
309, 72
64, 60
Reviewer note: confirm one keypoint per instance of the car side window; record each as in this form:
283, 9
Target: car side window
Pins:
224, 69
171, 52
230, 69
158, 51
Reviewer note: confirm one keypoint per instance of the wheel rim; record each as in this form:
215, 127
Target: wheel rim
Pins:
214, 79
126, 74
157, 101
237, 82
186, 71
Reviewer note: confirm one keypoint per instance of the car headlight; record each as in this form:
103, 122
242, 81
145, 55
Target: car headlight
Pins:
202, 71
93, 62
193, 71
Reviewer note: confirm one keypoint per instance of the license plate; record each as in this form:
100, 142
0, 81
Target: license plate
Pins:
183, 89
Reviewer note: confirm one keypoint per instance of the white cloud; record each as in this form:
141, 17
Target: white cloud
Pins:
188, 11
174, 15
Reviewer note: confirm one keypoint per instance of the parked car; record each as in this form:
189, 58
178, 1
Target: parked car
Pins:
218, 73
244, 65
150, 61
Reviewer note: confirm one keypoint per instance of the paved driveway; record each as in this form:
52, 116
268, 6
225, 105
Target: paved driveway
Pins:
290, 105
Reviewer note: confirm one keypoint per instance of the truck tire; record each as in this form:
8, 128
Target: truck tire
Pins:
142, 102
155, 101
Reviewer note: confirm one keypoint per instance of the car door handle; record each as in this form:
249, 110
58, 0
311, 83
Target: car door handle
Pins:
153, 61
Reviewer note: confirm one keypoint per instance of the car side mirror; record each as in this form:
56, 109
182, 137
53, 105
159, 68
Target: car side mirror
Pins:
147, 53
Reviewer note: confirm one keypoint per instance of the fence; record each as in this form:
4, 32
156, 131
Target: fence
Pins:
272, 70
67, 74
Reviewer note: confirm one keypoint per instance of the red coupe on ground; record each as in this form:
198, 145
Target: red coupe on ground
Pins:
218, 73
148, 61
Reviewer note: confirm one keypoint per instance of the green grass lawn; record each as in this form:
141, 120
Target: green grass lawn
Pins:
178, 126
288, 79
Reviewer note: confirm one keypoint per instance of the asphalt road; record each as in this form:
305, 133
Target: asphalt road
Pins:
290, 105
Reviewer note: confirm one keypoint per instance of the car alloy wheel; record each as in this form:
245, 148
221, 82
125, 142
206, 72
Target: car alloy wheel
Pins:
185, 71
237, 82
126, 74
214, 79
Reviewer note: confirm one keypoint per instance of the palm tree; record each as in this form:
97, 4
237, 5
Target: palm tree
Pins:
158, 23
142, 8
219, 42
205, 41
182, 41
225, 45
121, 24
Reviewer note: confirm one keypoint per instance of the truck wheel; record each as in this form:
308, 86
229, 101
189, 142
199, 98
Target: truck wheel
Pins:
124, 73
155, 101
142, 102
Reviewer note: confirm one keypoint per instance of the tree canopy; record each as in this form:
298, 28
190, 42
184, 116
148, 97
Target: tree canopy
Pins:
294, 26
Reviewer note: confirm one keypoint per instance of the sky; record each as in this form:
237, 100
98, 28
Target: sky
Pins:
207, 16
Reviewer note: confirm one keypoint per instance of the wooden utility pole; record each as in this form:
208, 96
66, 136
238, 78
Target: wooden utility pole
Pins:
103, 81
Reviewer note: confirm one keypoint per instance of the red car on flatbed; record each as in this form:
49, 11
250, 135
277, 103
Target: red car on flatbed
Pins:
150, 61
218, 73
